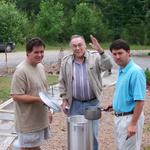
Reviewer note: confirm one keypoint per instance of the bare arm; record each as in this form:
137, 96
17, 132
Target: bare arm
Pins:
95, 44
26, 98
50, 116
65, 106
136, 115
106, 62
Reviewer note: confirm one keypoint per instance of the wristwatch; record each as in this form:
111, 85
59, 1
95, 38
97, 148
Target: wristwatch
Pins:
101, 53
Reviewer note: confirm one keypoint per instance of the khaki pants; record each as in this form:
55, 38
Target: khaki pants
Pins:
121, 124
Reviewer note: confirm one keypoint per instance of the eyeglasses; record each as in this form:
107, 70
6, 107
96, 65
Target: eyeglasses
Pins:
78, 45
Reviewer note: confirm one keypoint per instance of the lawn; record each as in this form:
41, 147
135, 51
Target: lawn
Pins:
58, 46
5, 82
4, 88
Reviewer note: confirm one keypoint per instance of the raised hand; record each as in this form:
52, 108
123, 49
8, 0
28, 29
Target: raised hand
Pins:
95, 44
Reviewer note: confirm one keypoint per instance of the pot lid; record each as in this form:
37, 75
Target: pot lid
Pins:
50, 101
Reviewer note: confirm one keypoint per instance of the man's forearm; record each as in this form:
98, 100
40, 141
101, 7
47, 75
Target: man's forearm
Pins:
137, 112
26, 98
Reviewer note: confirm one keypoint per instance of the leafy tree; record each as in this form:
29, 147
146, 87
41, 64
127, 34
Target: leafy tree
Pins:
147, 74
101, 29
69, 7
135, 21
147, 27
31, 7
84, 21
12, 23
147, 21
49, 23
134, 32
124, 18
113, 17
59, 19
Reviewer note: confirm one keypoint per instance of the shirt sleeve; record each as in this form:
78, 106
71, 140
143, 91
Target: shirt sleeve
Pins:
18, 84
139, 86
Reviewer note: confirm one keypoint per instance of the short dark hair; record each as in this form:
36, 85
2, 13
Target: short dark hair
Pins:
119, 44
36, 41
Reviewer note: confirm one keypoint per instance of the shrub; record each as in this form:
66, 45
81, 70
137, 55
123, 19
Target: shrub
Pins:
147, 74
84, 20
50, 22
12, 22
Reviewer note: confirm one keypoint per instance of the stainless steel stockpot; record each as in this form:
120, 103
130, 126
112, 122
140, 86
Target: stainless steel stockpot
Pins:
92, 113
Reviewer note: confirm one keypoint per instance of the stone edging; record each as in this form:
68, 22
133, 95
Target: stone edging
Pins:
140, 52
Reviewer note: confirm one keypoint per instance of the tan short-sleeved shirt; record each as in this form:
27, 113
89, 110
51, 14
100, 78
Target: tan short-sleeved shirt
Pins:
30, 80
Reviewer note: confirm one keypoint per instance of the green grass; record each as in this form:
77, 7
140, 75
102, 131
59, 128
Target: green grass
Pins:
4, 88
58, 46
147, 148
147, 129
140, 47
52, 79
5, 83
132, 47
147, 74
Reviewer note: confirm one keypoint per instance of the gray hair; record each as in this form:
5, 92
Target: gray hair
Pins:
77, 36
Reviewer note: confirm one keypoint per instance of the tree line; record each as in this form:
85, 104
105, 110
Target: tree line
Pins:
57, 20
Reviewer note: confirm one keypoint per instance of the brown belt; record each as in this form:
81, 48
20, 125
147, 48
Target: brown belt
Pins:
83, 101
118, 114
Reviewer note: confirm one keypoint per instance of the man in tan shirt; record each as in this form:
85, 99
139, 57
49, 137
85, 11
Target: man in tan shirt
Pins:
31, 116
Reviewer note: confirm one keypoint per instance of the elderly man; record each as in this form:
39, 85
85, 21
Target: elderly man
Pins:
80, 78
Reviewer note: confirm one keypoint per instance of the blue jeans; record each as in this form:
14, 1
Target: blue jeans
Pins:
78, 108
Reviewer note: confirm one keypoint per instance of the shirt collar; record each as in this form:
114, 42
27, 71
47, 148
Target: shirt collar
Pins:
127, 67
85, 57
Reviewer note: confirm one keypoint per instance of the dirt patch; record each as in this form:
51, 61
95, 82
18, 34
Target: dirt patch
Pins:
7, 71
148, 87
58, 141
49, 68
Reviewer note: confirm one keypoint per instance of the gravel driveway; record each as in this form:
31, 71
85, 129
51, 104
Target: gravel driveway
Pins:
50, 57
58, 141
